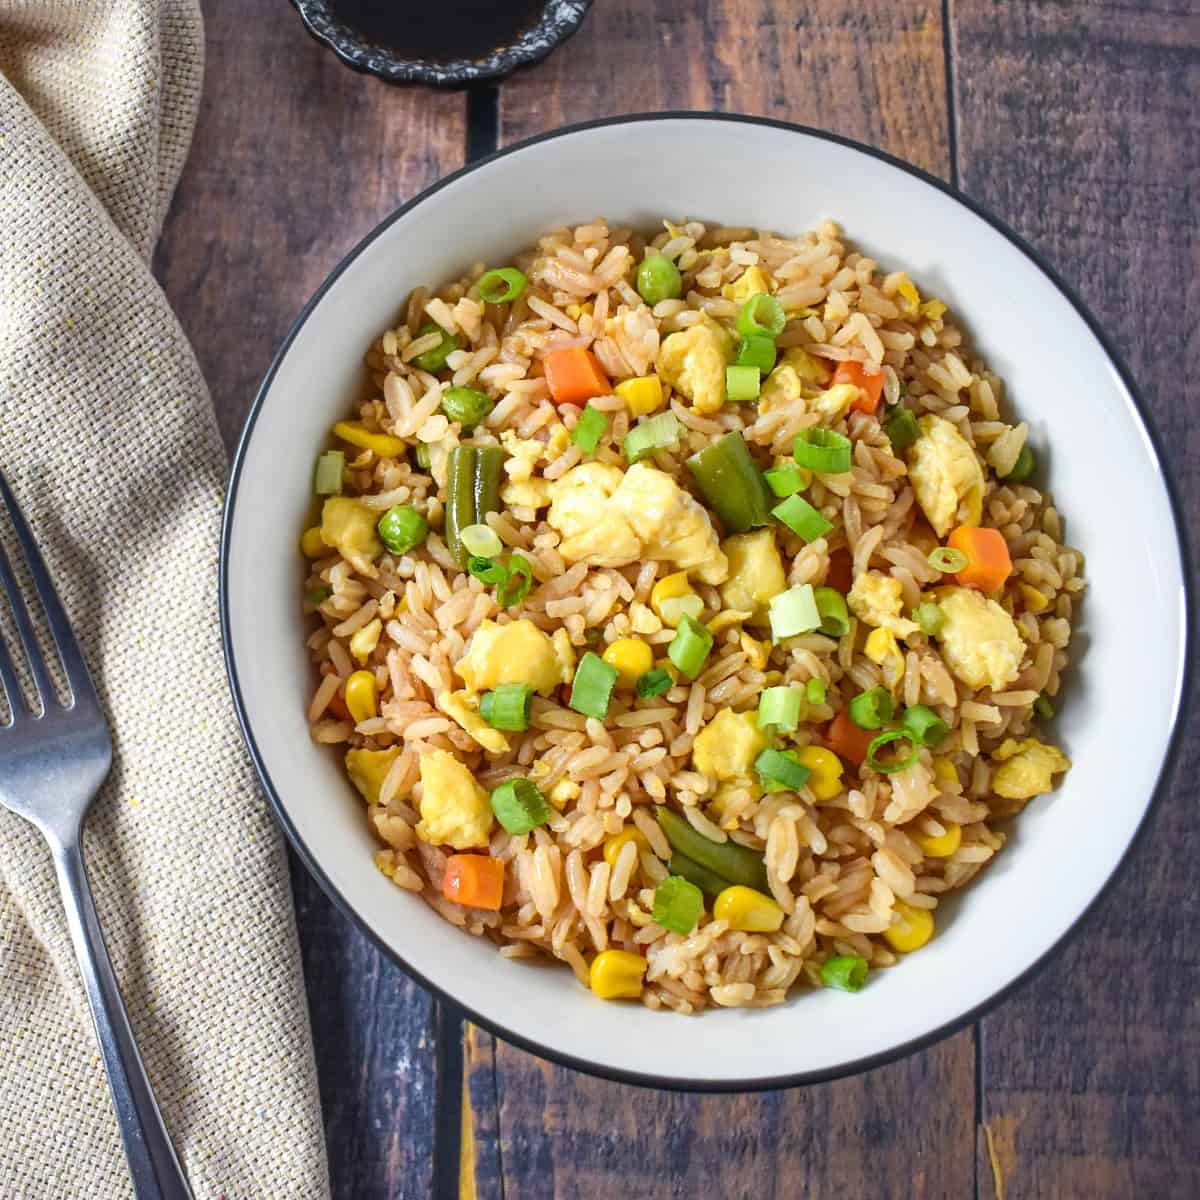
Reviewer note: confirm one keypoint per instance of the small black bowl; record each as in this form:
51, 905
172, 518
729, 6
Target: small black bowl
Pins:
559, 19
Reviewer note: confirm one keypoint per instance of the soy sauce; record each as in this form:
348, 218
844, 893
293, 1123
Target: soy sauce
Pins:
440, 30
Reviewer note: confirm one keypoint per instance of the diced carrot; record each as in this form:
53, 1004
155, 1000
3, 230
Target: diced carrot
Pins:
573, 376
474, 880
989, 563
337, 706
846, 740
841, 571
870, 387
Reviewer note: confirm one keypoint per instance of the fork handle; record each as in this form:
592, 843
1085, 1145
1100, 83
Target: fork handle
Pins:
155, 1170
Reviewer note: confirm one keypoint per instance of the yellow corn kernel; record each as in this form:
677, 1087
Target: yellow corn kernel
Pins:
910, 298
725, 618
615, 844
312, 544
752, 281
362, 696
933, 309
825, 782
748, 910
632, 657
757, 652
945, 770
641, 396
364, 641
357, 434
672, 588
617, 975
574, 311
939, 846
910, 929
563, 791
1035, 601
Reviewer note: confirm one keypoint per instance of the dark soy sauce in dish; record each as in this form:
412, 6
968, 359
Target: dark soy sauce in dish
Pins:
439, 30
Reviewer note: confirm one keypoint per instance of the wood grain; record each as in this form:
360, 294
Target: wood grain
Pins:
295, 158
1079, 125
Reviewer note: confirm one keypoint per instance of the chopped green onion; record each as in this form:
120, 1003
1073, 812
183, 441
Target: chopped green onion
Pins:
794, 612
466, 406
901, 428
482, 541
519, 806
781, 767
845, 972
757, 350
654, 683
835, 617
515, 587
709, 882
659, 432
925, 725
507, 707
487, 570
873, 709
822, 450
319, 595
929, 617
658, 279
732, 484
678, 904
1023, 467
733, 863
761, 315
327, 480
802, 519
421, 455
780, 707
589, 429
787, 480
690, 646
1043, 707
947, 559
435, 359
593, 686
502, 285
742, 383
902, 764
815, 691
402, 529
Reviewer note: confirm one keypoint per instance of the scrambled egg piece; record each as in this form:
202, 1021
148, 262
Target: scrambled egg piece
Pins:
796, 370
349, 526
516, 653
455, 810
526, 493
835, 401
752, 281
878, 600
755, 572
523, 454
979, 640
458, 707
368, 768
882, 648
693, 362
946, 476
728, 745
1028, 768
609, 518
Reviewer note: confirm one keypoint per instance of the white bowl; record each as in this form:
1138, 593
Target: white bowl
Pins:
1119, 716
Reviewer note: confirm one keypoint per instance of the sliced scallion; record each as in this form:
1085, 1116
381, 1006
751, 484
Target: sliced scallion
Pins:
822, 450
589, 429
761, 315
486, 570
654, 683
518, 582
502, 285
802, 519
780, 767
787, 480
947, 559
872, 709
519, 806
816, 691
756, 350
327, 479
845, 972
793, 612
678, 904
925, 725
690, 646
592, 689
742, 383
901, 764
659, 432
481, 541
929, 617
507, 707
835, 616
779, 707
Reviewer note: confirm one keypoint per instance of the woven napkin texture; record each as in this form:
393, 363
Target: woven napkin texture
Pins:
108, 438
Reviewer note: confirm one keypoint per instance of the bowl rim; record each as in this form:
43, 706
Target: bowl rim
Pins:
1183, 704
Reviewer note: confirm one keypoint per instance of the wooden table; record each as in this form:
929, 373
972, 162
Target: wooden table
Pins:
1079, 124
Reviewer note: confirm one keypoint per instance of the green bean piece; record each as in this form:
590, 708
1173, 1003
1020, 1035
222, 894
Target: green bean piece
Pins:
707, 881
460, 500
489, 462
731, 862
732, 484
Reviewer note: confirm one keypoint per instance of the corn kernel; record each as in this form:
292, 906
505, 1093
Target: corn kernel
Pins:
945, 770
357, 434
617, 975
615, 844
312, 544
562, 792
362, 696
672, 596
825, 782
748, 910
632, 657
364, 641
725, 618
933, 309
910, 929
910, 298
641, 396
1035, 601
939, 845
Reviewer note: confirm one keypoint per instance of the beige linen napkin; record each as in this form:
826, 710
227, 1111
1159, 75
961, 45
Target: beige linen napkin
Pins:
108, 438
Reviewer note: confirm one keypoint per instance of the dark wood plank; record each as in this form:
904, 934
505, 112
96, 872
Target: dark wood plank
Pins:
294, 159
1078, 124
874, 72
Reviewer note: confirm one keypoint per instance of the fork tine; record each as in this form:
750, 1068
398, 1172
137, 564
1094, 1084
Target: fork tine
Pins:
42, 682
9, 680
60, 628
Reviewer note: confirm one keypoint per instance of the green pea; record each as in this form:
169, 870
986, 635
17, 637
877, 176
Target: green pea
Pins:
435, 359
658, 279
466, 406
1023, 467
402, 529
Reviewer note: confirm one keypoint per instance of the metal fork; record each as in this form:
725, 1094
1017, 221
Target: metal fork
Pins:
51, 766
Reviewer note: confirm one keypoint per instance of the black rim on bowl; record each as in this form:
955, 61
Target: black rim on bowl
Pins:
560, 19
701, 1084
